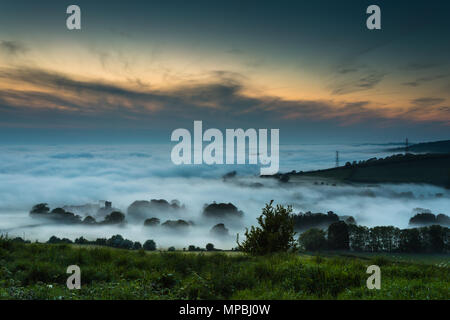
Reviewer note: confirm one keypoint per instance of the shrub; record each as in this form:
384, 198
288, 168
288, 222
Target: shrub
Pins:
209, 247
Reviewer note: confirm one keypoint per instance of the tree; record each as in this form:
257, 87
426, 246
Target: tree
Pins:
114, 217
423, 219
54, 239
275, 234
219, 230
410, 240
151, 222
58, 211
359, 237
149, 245
434, 238
115, 241
308, 220
209, 247
126, 244
338, 238
313, 240
81, 240
137, 245
89, 220
40, 208
222, 210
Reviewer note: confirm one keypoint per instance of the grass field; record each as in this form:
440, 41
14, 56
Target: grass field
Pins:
38, 271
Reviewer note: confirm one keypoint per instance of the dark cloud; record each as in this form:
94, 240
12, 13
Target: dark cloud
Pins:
235, 51
359, 82
422, 80
427, 101
12, 48
414, 66
347, 70
411, 84
64, 102
83, 155
426, 107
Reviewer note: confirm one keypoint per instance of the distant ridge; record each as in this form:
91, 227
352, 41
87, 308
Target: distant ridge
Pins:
430, 147
400, 168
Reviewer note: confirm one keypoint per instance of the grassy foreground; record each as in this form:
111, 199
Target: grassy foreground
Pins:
38, 271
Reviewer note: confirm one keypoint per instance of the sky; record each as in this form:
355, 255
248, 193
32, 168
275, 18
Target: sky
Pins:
137, 70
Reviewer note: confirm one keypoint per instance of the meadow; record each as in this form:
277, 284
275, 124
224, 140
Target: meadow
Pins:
38, 271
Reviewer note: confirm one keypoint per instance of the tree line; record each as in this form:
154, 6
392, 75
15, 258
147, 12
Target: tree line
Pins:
342, 236
276, 232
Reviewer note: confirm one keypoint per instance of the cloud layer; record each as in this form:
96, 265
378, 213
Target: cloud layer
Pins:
75, 175
50, 99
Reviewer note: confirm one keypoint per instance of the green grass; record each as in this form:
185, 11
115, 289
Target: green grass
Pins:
38, 271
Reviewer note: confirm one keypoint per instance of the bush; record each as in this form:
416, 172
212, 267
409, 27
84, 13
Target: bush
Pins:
209, 247
275, 234
313, 240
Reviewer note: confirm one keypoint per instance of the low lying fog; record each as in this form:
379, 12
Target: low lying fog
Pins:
76, 175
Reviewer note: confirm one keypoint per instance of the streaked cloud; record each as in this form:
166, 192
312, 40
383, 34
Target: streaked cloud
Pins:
51, 99
427, 101
356, 82
12, 48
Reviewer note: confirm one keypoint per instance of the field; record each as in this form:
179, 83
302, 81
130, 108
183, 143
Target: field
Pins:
38, 271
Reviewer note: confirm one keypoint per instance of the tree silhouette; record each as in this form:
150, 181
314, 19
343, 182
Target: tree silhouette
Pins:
275, 234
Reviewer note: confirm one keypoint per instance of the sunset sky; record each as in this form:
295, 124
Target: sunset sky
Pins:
139, 69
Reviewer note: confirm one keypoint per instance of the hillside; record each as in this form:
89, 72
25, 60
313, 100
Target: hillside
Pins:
409, 168
427, 147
